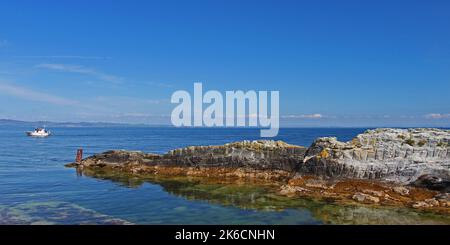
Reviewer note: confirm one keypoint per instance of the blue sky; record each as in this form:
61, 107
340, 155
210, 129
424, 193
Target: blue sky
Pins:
335, 63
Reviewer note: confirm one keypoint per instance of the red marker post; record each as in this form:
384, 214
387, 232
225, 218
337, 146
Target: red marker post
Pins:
79, 155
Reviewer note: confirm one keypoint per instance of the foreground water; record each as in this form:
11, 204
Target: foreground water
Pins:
36, 188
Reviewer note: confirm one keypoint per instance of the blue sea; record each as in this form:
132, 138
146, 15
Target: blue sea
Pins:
36, 188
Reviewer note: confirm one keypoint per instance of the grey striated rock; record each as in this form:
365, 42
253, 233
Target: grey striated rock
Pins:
398, 155
258, 155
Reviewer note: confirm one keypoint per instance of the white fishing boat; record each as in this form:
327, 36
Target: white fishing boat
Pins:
39, 132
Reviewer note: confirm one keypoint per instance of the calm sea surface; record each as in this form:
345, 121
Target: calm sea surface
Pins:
36, 188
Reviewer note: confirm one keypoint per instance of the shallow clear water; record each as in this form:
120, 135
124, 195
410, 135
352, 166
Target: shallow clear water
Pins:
36, 188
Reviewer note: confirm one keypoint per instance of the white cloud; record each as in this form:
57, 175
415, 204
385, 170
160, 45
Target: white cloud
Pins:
123, 117
162, 85
81, 70
28, 94
109, 108
137, 115
437, 116
305, 116
63, 57
127, 101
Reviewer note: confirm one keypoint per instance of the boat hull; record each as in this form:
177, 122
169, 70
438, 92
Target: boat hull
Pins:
34, 134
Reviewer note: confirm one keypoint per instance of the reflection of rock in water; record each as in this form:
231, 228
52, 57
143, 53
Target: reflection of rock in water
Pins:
263, 197
53, 213
358, 215
240, 194
117, 177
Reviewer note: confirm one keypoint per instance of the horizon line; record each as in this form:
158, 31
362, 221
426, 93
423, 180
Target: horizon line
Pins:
223, 127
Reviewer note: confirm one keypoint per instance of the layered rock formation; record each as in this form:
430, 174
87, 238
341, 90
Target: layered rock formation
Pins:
409, 156
419, 157
267, 159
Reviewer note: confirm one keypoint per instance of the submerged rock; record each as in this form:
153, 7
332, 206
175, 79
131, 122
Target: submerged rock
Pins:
54, 213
